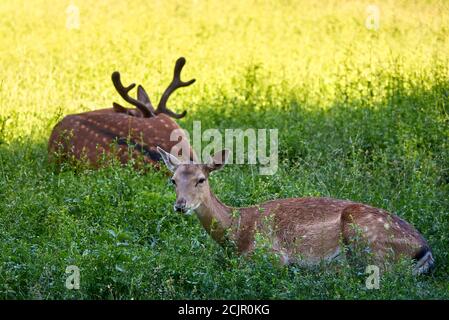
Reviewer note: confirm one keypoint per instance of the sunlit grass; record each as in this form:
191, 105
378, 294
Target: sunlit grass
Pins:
316, 47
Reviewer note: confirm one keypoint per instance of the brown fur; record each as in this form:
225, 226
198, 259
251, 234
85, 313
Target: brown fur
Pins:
90, 134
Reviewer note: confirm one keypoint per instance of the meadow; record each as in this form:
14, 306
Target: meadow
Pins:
362, 114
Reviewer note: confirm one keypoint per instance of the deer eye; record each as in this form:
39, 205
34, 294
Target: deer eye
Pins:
173, 182
201, 180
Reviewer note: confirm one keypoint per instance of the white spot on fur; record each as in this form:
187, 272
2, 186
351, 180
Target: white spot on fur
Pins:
285, 258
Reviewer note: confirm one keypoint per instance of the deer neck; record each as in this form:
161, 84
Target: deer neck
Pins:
215, 217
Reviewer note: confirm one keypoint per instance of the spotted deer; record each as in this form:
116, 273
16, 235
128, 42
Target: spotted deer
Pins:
300, 230
133, 132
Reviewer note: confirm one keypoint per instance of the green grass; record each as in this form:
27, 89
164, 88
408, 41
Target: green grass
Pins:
362, 115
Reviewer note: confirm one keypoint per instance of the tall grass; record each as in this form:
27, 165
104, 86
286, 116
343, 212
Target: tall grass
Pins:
362, 115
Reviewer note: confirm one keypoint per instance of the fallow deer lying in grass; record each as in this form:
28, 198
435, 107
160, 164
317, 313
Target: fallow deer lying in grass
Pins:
300, 230
90, 134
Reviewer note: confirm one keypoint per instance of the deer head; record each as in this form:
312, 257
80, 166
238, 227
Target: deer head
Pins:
191, 179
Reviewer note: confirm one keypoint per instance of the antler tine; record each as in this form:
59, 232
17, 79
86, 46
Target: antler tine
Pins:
146, 109
175, 84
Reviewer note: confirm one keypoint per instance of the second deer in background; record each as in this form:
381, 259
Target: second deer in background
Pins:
135, 132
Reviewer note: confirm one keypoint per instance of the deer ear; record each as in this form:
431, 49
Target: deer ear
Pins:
142, 95
218, 160
170, 160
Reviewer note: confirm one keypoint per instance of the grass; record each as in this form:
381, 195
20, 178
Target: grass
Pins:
362, 115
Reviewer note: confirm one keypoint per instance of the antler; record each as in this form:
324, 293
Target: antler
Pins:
175, 84
145, 107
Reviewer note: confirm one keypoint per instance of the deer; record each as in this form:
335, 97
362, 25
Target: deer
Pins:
307, 230
133, 132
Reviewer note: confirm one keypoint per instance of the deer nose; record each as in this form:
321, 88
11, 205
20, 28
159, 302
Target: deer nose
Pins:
180, 205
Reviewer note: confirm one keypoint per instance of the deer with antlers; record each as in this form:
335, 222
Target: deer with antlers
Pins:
300, 230
141, 129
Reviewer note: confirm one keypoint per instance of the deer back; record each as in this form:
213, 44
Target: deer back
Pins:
90, 135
